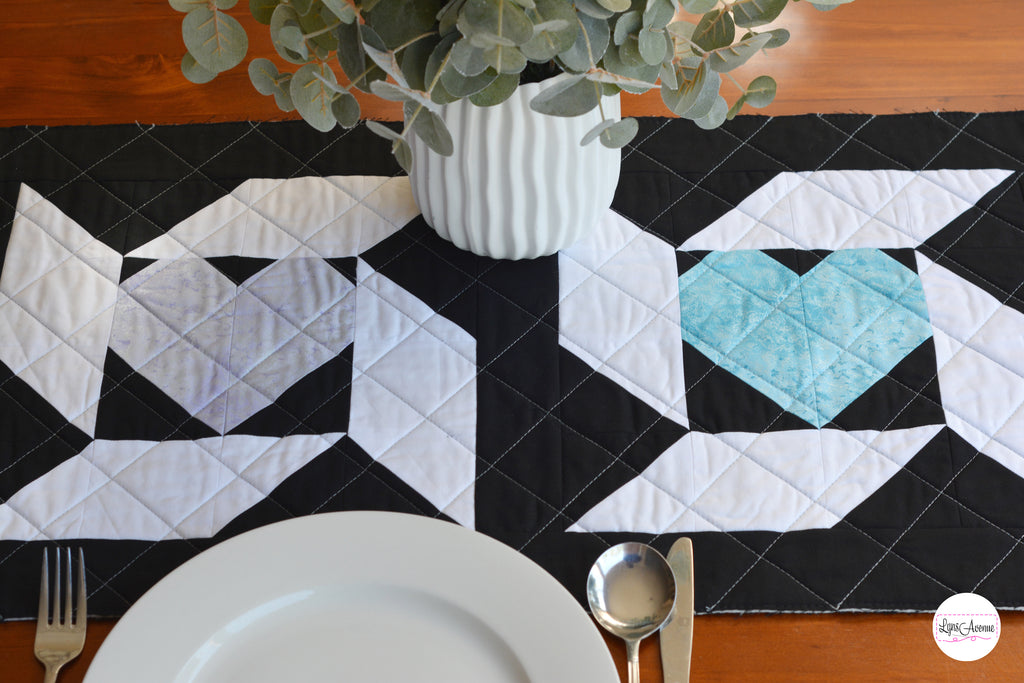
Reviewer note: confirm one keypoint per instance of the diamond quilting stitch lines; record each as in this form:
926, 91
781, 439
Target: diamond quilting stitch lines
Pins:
243, 345
869, 313
225, 313
812, 343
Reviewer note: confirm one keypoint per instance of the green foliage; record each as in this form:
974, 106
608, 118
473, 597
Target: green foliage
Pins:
426, 53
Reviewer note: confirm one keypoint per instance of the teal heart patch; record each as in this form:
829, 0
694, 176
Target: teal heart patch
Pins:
811, 343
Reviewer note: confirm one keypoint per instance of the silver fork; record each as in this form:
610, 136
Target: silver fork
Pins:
59, 639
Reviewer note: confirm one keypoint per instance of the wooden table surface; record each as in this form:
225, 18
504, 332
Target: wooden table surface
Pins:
67, 62
807, 648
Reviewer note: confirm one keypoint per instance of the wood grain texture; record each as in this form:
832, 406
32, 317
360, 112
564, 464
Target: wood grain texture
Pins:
809, 648
67, 62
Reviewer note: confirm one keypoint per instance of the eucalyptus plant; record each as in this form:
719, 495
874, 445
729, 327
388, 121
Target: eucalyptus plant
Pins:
427, 53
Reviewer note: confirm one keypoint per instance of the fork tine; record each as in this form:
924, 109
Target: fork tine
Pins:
44, 589
67, 587
81, 614
55, 602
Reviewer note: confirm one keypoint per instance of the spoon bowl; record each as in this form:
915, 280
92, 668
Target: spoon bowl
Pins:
631, 590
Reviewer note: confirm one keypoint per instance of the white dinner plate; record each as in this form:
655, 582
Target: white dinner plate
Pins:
356, 597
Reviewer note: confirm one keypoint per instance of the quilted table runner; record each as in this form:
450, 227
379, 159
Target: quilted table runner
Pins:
798, 341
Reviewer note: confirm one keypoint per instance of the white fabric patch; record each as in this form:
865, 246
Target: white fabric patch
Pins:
156, 490
57, 344
414, 393
981, 370
775, 481
847, 210
309, 216
241, 347
619, 312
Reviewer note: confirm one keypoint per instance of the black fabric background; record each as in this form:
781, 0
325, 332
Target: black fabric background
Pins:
554, 438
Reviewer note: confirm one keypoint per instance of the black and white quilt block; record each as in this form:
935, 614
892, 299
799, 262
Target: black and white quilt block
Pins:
222, 315
803, 299
815, 374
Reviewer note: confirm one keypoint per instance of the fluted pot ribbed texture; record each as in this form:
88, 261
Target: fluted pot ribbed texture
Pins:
519, 184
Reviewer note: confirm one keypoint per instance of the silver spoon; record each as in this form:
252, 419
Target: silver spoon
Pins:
631, 591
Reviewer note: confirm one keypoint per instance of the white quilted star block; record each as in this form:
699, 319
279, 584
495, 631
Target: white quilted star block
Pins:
414, 393
330, 217
156, 490
775, 481
847, 210
619, 312
57, 294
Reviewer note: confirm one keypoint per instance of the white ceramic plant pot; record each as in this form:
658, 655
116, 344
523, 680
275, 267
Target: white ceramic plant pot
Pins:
519, 184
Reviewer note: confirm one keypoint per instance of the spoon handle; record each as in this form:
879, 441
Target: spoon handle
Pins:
633, 660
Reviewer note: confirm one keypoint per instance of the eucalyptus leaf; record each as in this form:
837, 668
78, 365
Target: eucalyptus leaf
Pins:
467, 59
500, 18
555, 29
194, 72
382, 130
715, 116
500, 89
398, 22
216, 40
780, 37
614, 5
319, 30
263, 75
728, 58
658, 13
429, 128
462, 86
652, 46
403, 154
681, 31
629, 53
360, 70
505, 60
345, 109
698, 6
714, 30
698, 86
591, 42
312, 98
396, 93
413, 60
630, 76
448, 16
440, 59
627, 83
620, 134
626, 25
186, 6
571, 96
761, 92
667, 75
751, 13
388, 63
826, 5
301, 6
736, 107
342, 10
592, 8
595, 131
261, 10
290, 36
283, 20
224, 4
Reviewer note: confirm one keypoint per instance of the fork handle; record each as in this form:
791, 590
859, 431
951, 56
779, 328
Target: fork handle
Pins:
51, 673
